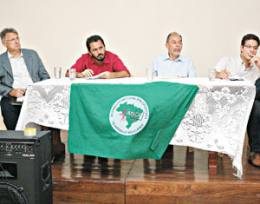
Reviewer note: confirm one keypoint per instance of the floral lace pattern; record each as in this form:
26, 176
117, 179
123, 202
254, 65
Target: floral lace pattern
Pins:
48, 106
216, 121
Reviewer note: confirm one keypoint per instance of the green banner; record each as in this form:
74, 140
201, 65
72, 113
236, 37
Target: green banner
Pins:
126, 121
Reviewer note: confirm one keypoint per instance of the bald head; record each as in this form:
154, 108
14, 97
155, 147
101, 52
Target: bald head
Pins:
173, 34
174, 45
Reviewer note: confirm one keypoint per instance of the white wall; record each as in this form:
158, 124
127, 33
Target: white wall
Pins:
133, 29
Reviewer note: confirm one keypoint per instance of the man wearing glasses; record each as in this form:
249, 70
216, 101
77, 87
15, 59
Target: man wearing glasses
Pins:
246, 67
19, 68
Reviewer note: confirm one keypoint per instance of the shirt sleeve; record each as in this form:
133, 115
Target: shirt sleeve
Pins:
221, 65
79, 64
118, 65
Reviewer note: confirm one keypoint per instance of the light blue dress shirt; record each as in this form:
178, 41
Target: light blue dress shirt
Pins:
163, 66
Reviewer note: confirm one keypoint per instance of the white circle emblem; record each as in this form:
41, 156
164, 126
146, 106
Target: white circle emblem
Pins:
129, 115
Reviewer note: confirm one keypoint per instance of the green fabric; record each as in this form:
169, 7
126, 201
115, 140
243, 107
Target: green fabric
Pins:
90, 130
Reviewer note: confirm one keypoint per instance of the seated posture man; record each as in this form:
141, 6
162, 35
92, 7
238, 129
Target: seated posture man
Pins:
173, 64
99, 62
247, 67
19, 68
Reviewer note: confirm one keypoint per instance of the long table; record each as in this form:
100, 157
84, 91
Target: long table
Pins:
216, 120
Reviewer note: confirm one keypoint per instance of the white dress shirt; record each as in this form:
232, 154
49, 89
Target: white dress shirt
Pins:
237, 69
22, 78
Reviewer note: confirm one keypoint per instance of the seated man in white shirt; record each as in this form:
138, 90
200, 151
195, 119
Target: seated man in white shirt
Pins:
173, 64
246, 67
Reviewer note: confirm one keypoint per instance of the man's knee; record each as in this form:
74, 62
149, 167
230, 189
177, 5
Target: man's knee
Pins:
10, 113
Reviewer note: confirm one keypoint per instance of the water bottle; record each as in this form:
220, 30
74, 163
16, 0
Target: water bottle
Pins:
150, 74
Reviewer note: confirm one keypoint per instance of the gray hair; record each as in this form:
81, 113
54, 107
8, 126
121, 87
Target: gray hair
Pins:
173, 34
7, 30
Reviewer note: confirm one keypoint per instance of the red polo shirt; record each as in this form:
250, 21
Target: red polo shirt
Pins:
111, 63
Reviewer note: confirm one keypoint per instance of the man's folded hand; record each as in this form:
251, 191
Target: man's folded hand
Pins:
19, 92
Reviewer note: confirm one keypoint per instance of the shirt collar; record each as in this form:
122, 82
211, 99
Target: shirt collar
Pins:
240, 60
10, 56
243, 64
179, 59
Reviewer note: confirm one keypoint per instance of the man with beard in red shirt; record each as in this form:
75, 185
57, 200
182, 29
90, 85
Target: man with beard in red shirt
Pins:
99, 62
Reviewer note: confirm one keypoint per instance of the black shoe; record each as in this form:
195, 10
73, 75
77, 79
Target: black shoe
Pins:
58, 152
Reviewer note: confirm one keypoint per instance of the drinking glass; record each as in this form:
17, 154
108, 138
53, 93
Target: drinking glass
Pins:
57, 71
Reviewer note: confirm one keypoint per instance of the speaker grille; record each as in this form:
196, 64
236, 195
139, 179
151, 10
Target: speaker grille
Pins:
11, 194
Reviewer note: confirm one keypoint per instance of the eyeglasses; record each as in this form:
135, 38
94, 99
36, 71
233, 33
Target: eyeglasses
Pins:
13, 39
249, 47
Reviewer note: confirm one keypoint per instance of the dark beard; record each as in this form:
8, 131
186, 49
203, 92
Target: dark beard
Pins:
100, 58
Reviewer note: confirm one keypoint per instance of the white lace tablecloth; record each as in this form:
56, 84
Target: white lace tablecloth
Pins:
216, 120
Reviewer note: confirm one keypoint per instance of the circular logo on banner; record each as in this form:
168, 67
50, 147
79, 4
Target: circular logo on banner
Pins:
129, 115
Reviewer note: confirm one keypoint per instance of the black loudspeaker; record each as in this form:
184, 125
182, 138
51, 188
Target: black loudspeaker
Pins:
25, 168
